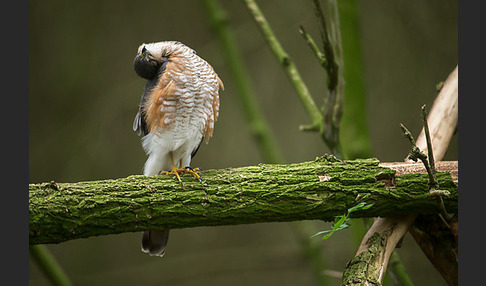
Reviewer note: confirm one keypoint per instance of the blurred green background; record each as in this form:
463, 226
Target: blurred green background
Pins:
84, 94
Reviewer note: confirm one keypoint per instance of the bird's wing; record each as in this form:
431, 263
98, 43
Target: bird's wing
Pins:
193, 153
214, 95
139, 123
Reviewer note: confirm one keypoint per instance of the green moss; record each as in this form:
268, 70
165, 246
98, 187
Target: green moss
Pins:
361, 269
320, 189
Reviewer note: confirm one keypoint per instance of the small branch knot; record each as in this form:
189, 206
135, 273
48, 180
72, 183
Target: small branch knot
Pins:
434, 193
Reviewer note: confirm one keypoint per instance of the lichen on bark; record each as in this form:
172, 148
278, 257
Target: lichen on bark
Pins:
319, 189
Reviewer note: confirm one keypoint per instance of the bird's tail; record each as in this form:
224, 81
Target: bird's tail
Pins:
154, 242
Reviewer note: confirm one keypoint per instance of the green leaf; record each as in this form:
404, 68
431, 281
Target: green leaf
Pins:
321, 232
359, 207
342, 221
343, 226
352, 209
339, 222
327, 235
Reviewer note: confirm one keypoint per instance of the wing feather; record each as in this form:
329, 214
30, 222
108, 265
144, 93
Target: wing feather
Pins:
208, 132
140, 124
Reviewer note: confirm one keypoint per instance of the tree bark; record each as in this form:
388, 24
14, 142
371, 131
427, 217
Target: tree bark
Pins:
442, 122
320, 189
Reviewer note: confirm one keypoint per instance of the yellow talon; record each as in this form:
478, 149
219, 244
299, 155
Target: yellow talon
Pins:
193, 171
175, 171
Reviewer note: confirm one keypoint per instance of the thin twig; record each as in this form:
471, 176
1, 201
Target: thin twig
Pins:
416, 154
434, 184
313, 46
329, 53
287, 64
332, 56
259, 127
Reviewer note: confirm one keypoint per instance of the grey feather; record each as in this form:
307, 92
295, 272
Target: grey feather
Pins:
139, 123
155, 241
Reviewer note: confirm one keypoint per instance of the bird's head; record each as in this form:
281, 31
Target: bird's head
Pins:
146, 55
148, 60
151, 56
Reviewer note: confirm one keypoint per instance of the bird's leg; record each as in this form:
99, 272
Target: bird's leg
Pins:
175, 169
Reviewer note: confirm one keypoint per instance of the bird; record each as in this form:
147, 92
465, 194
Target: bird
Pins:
177, 112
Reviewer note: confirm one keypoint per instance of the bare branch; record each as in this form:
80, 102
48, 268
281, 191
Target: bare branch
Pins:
442, 121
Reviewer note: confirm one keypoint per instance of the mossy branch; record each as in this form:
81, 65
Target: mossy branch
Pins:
320, 189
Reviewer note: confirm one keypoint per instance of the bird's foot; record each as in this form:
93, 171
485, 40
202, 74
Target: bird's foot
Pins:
175, 171
193, 172
181, 171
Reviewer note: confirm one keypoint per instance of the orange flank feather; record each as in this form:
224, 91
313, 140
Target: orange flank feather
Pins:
159, 109
157, 116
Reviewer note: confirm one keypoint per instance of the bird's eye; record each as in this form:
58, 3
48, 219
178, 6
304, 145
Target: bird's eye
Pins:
144, 50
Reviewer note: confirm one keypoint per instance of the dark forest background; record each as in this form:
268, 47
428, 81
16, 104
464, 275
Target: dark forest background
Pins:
84, 94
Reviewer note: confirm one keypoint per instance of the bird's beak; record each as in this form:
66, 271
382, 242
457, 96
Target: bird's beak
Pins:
144, 54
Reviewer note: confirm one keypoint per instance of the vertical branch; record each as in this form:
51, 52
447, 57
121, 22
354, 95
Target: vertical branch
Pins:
258, 125
331, 41
443, 115
438, 240
327, 122
398, 272
288, 66
354, 132
442, 121
329, 52
261, 132
49, 265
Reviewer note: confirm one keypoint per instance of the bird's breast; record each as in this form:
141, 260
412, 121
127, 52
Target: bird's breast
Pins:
185, 100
